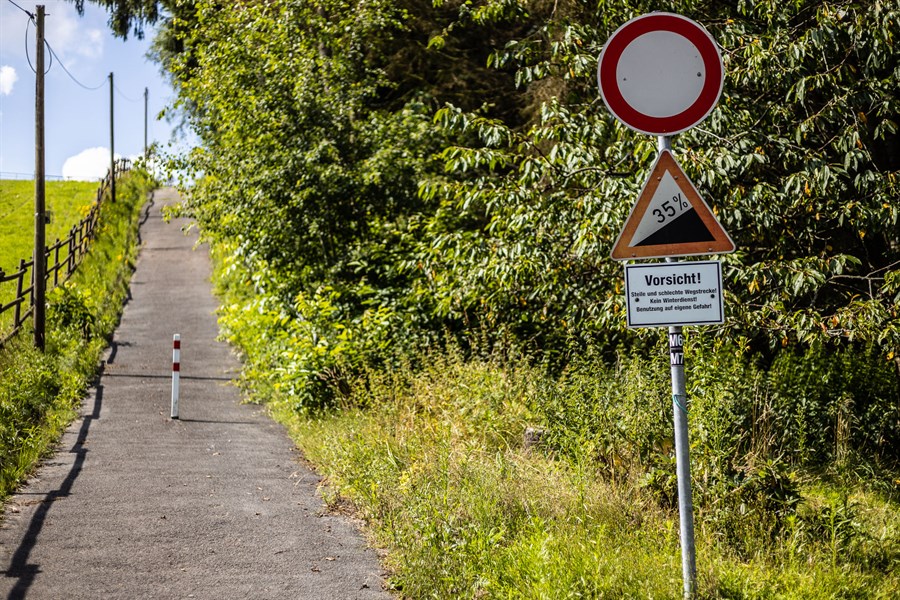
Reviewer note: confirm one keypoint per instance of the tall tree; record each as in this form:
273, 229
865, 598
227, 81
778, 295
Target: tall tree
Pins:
321, 122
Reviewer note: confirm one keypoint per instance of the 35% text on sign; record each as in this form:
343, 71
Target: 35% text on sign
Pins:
670, 208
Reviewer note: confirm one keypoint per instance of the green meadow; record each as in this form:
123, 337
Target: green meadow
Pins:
67, 202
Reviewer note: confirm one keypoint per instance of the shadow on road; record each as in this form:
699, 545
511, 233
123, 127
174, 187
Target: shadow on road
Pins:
182, 377
19, 566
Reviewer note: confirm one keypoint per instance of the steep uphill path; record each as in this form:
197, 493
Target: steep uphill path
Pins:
213, 506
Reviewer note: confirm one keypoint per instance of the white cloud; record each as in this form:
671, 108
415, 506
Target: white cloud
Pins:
71, 37
87, 165
8, 78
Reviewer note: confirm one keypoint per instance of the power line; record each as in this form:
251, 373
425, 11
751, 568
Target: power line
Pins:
72, 77
121, 93
30, 15
53, 54
27, 55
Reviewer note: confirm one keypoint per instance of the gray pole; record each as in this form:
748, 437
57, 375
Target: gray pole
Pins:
112, 143
39, 286
682, 446
146, 97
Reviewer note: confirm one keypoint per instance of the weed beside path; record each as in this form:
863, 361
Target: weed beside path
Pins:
434, 459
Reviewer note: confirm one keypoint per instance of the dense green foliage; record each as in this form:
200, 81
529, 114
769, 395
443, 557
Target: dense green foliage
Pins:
327, 161
131, 16
367, 214
383, 179
39, 392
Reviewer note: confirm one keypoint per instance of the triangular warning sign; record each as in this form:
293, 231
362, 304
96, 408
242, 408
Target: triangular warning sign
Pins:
670, 218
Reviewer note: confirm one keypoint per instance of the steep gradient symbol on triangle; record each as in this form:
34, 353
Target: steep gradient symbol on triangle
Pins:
670, 218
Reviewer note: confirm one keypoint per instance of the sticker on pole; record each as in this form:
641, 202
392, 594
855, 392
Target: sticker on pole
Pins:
670, 219
670, 294
660, 73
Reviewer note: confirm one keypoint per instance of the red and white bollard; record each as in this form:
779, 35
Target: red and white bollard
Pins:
176, 369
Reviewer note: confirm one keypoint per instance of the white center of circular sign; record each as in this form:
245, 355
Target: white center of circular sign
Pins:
672, 83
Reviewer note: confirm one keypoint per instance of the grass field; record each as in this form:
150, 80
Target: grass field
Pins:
67, 201
435, 464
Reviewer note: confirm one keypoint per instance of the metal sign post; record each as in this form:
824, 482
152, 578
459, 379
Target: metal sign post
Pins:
682, 446
683, 461
661, 74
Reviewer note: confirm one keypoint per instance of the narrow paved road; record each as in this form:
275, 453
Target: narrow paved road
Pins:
214, 505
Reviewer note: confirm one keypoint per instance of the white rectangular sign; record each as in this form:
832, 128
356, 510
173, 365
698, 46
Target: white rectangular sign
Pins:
683, 293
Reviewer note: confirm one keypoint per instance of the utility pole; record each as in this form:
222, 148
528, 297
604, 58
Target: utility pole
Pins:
146, 96
39, 288
112, 143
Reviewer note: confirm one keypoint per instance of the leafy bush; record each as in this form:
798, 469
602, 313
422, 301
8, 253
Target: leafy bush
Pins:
753, 428
71, 308
837, 404
453, 207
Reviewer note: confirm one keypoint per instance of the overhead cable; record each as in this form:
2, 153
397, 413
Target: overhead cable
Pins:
30, 15
72, 77
28, 56
121, 93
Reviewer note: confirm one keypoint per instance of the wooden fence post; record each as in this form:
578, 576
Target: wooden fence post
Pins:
85, 237
20, 284
71, 267
56, 263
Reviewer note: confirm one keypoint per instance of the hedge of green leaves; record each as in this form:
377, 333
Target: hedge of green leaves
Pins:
380, 176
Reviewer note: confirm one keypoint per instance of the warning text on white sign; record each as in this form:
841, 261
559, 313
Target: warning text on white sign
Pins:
664, 294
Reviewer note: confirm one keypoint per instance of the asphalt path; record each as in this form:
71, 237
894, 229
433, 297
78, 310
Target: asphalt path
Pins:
216, 504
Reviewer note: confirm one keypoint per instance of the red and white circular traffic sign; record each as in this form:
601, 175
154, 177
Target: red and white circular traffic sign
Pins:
660, 73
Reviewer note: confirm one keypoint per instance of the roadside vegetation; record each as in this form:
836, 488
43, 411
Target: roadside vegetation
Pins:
412, 205
433, 458
40, 392
795, 480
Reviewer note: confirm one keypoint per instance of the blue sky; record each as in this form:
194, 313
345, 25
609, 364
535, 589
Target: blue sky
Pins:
77, 120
